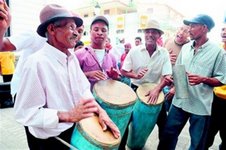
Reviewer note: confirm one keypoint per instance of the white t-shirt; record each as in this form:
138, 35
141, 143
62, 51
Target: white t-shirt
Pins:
117, 51
100, 55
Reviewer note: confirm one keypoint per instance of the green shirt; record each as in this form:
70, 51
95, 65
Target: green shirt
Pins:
209, 61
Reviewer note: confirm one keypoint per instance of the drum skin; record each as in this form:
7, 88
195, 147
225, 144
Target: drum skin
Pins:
89, 135
144, 117
117, 99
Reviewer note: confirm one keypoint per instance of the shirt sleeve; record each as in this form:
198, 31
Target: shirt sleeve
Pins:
167, 66
114, 62
220, 67
31, 105
128, 63
26, 40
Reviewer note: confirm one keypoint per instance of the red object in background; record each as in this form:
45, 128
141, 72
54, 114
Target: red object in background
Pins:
108, 46
160, 41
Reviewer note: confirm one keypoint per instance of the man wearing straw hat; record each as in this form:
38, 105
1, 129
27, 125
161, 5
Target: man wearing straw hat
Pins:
148, 63
54, 92
205, 65
137, 63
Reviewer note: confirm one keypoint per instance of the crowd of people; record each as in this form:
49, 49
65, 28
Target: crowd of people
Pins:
54, 78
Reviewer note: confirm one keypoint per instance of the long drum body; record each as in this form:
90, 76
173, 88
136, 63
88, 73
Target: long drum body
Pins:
89, 135
144, 117
117, 99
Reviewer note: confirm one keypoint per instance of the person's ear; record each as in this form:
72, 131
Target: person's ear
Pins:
51, 29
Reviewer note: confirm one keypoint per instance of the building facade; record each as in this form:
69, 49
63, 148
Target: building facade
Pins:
126, 17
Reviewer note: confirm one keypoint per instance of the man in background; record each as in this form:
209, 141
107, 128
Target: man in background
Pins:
138, 41
173, 45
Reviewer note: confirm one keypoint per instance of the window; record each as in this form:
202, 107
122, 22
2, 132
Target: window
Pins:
119, 31
107, 12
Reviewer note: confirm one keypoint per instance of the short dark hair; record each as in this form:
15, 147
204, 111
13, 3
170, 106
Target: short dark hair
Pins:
138, 38
79, 43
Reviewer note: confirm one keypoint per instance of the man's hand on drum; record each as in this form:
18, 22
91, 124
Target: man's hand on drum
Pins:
113, 73
106, 123
96, 74
85, 108
153, 96
141, 73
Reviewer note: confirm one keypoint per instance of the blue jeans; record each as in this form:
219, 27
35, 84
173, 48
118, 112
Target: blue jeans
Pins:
176, 121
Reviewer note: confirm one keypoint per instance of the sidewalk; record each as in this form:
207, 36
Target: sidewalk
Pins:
12, 135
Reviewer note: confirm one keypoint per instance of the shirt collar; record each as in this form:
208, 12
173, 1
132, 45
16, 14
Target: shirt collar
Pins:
203, 46
54, 52
143, 48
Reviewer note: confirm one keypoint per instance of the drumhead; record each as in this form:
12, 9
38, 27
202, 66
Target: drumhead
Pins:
143, 89
93, 130
115, 92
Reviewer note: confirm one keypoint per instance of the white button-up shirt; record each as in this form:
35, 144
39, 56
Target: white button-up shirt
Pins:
26, 43
51, 82
158, 64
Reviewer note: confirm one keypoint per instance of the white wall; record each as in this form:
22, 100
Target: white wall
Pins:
25, 15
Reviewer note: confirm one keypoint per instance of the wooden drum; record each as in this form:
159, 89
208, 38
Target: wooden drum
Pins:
144, 117
89, 135
117, 99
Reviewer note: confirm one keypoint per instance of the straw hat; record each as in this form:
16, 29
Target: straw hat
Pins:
153, 24
51, 13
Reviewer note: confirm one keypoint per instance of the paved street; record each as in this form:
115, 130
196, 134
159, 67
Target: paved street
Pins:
12, 136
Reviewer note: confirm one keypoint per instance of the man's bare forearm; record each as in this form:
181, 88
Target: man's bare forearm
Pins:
211, 81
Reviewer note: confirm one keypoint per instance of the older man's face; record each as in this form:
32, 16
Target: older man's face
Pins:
197, 30
151, 36
64, 33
